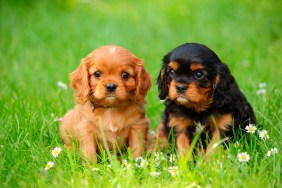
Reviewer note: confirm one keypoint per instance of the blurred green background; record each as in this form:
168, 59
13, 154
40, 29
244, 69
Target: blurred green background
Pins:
43, 41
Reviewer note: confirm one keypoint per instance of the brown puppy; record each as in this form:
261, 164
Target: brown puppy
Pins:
200, 93
110, 87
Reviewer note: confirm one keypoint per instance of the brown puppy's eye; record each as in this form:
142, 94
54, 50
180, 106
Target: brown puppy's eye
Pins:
97, 74
172, 73
124, 75
199, 75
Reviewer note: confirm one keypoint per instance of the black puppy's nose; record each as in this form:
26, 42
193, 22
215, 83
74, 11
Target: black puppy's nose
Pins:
180, 88
111, 87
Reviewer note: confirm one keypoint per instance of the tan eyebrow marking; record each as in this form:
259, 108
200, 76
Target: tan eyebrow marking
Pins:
174, 65
195, 66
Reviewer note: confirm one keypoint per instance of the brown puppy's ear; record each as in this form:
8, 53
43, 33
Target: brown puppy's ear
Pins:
143, 81
163, 78
80, 81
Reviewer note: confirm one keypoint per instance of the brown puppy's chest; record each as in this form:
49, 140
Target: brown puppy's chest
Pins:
114, 122
115, 126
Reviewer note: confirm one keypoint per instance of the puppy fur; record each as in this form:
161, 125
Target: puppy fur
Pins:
199, 92
110, 87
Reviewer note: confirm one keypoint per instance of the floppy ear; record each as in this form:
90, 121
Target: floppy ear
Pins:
163, 78
143, 81
224, 85
80, 81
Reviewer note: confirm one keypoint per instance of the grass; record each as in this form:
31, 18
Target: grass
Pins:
42, 42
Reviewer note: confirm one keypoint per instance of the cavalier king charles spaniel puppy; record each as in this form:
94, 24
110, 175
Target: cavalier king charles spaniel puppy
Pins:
199, 93
110, 87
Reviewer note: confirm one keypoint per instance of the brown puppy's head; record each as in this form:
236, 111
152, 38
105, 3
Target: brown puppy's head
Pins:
191, 75
110, 76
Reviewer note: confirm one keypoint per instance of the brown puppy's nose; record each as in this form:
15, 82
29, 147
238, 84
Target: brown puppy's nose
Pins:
180, 88
111, 87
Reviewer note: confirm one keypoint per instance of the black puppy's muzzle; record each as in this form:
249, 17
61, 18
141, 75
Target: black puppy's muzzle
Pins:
181, 88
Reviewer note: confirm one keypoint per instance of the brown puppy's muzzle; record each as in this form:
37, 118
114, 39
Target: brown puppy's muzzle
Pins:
111, 87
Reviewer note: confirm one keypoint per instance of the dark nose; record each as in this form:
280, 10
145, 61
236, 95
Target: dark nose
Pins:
180, 88
111, 87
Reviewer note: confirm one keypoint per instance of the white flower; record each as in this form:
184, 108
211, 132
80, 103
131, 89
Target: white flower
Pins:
125, 164
217, 165
140, 162
261, 91
236, 144
143, 163
243, 157
94, 169
173, 170
172, 158
159, 156
263, 134
49, 165
56, 151
251, 128
272, 151
155, 174
62, 85
58, 119
262, 85
138, 159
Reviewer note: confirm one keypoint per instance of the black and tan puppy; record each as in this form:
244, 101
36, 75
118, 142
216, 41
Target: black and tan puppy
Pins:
199, 89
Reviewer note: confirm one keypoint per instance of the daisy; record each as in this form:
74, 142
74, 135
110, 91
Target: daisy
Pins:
94, 169
262, 85
236, 144
261, 91
125, 164
140, 162
159, 156
58, 119
173, 170
272, 151
62, 85
263, 135
138, 159
172, 158
143, 163
56, 151
49, 165
155, 174
243, 157
251, 128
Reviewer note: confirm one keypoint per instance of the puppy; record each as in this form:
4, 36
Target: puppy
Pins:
199, 92
110, 87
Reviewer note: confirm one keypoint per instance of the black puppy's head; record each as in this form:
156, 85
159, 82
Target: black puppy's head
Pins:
192, 75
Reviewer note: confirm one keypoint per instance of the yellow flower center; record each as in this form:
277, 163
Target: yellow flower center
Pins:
56, 151
173, 170
244, 157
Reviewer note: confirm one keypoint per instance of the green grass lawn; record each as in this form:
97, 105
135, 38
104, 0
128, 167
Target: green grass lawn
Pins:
42, 42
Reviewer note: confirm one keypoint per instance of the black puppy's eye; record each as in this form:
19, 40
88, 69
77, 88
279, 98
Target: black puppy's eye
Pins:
199, 75
97, 74
172, 73
124, 75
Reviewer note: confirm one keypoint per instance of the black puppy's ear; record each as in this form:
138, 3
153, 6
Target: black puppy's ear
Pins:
225, 87
163, 78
